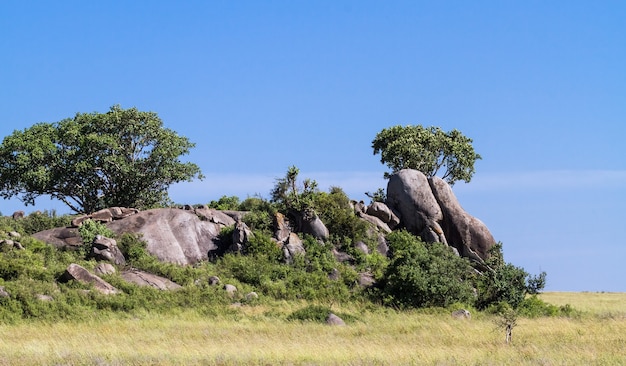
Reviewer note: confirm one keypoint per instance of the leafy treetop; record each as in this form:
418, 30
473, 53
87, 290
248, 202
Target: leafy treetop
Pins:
427, 149
124, 157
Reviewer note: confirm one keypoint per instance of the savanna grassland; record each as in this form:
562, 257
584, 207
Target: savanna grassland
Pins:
262, 334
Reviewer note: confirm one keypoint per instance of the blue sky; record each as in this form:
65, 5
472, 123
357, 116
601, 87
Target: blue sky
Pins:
261, 85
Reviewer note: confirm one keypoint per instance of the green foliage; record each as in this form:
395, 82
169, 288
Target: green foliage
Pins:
427, 149
536, 283
124, 157
504, 282
424, 275
134, 250
315, 313
35, 222
225, 203
260, 214
379, 196
337, 214
288, 195
262, 245
90, 229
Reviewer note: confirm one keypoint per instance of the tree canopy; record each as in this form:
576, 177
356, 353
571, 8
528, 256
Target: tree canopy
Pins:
124, 157
427, 149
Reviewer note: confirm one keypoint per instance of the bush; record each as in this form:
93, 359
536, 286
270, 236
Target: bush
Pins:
225, 203
504, 282
35, 222
423, 275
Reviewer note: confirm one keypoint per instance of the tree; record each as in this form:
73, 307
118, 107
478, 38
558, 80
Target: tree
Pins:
287, 194
124, 157
427, 149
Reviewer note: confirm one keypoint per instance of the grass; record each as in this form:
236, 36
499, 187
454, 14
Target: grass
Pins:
262, 335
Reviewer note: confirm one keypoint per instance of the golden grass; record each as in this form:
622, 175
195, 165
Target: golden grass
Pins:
597, 303
258, 336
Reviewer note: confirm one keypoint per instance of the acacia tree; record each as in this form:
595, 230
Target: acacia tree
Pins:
124, 157
427, 149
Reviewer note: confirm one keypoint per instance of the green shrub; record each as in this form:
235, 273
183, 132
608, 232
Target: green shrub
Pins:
90, 229
225, 203
315, 313
424, 275
533, 307
318, 314
504, 282
260, 214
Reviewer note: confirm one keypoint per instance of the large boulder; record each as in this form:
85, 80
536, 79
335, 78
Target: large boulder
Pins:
61, 237
409, 194
384, 213
142, 278
214, 216
292, 247
311, 224
281, 227
467, 234
105, 249
427, 207
78, 273
172, 235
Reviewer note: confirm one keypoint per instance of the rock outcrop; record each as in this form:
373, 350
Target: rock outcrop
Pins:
427, 207
172, 235
467, 234
142, 278
105, 249
78, 273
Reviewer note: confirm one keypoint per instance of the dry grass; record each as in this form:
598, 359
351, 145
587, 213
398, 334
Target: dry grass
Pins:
258, 336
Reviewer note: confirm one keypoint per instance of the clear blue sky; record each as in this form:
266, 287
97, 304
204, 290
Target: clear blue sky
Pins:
261, 85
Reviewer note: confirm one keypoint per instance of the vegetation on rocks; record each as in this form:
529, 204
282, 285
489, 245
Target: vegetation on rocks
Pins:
344, 259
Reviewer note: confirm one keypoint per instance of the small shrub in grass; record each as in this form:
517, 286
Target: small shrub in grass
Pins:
534, 307
315, 313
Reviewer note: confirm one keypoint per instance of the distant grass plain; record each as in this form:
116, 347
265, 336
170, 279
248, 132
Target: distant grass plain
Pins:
262, 335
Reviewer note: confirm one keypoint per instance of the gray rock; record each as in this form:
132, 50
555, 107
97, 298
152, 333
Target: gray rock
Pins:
104, 269
251, 296
464, 232
142, 278
293, 247
242, 233
106, 249
376, 222
281, 227
42, 297
230, 289
366, 279
214, 280
62, 238
362, 247
384, 213
215, 216
333, 319
18, 215
3, 292
461, 314
311, 224
14, 234
77, 273
409, 194
172, 235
